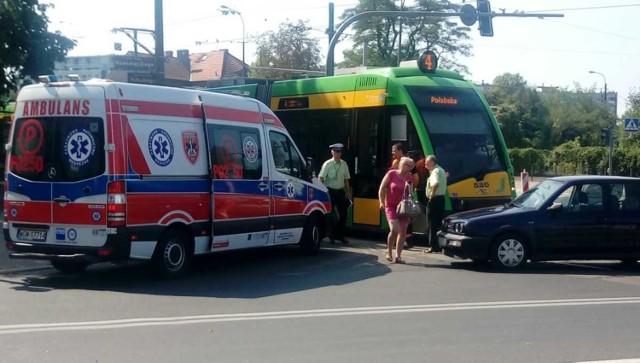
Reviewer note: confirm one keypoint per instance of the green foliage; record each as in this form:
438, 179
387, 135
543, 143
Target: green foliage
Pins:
519, 111
529, 159
27, 48
290, 47
570, 159
575, 115
382, 35
633, 110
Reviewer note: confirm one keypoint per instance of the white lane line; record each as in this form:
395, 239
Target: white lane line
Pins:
630, 360
215, 318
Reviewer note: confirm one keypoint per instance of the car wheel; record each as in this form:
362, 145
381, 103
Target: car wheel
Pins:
311, 236
509, 252
172, 255
69, 267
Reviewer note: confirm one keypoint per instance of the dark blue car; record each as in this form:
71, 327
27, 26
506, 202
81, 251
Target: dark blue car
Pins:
571, 217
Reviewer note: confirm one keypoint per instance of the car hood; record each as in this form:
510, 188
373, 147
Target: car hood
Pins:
489, 212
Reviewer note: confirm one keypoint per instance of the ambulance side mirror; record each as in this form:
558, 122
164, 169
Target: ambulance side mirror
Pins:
310, 169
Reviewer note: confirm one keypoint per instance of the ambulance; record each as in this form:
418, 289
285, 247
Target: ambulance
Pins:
102, 171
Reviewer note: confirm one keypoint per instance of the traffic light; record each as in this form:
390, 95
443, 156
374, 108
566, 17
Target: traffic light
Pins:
484, 18
604, 135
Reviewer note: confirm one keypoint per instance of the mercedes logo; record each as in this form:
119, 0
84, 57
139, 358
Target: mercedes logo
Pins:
52, 172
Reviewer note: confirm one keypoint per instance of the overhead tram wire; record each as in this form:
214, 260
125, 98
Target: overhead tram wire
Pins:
586, 8
593, 30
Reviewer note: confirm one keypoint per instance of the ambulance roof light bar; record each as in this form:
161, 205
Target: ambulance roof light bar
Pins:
74, 77
47, 78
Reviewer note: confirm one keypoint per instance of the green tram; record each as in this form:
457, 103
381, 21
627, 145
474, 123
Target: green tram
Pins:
431, 111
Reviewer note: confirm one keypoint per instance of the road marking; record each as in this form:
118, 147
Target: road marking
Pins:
217, 318
631, 360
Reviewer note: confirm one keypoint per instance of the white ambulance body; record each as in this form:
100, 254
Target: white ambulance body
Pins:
105, 171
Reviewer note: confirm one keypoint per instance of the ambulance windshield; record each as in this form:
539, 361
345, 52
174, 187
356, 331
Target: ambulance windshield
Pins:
64, 149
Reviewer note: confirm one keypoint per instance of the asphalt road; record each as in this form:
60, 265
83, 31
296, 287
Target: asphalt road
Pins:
346, 304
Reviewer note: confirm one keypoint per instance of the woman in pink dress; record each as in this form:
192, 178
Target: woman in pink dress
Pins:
390, 195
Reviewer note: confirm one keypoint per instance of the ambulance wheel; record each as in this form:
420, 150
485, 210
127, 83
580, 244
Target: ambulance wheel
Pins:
172, 255
69, 267
311, 236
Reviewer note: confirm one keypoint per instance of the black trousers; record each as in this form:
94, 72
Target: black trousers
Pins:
435, 213
340, 204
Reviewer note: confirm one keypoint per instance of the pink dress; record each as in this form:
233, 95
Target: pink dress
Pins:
395, 192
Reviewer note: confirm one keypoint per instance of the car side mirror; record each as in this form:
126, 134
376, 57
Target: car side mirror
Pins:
556, 207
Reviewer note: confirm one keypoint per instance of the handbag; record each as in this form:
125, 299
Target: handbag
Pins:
407, 206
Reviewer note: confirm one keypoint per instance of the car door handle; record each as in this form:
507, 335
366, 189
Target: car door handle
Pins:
278, 186
263, 186
62, 199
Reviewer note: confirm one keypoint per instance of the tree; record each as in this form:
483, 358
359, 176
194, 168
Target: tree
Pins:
290, 47
27, 48
519, 111
633, 111
381, 35
575, 115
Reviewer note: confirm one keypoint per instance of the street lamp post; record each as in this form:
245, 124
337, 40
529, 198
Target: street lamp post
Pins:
609, 126
225, 10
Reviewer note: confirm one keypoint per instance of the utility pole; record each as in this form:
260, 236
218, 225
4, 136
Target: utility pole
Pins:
159, 54
610, 127
400, 34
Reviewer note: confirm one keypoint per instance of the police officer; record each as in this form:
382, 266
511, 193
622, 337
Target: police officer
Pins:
334, 174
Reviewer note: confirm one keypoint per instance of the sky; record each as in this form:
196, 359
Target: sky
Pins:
593, 35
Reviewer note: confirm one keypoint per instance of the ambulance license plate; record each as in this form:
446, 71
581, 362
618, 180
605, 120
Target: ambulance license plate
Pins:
32, 235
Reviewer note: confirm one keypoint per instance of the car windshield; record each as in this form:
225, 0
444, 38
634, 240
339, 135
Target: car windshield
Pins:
534, 198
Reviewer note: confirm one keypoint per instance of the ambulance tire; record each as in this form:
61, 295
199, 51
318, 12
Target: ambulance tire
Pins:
172, 255
311, 236
69, 267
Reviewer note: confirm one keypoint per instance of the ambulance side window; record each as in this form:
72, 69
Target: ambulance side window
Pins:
236, 152
285, 156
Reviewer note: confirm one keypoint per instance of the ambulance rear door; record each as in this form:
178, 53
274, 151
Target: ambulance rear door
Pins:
57, 171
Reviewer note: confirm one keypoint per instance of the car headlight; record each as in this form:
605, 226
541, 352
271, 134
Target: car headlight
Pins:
457, 227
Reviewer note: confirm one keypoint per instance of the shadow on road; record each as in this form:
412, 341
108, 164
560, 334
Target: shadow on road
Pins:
242, 274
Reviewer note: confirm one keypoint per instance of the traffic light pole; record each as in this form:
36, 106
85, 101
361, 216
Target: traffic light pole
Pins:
411, 14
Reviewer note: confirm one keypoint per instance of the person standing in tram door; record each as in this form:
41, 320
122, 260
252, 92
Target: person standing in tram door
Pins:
334, 174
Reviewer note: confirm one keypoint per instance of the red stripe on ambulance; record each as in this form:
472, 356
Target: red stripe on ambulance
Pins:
154, 208
240, 206
229, 114
136, 157
89, 214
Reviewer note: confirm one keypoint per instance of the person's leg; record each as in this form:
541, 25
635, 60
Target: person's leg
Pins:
333, 197
436, 213
342, 222
402, 235
392, 237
